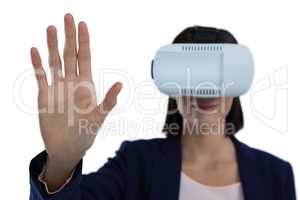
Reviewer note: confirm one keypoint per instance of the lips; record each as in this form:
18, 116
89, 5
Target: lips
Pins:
205, 105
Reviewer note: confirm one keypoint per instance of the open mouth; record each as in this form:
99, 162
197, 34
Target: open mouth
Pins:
205, 105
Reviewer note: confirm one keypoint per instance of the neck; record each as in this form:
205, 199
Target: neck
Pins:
208, 141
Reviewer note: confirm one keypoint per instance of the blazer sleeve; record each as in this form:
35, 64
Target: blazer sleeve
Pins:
289, 186
108, 183
41, 179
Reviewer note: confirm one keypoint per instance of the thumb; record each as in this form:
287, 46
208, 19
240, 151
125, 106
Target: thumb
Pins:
110, 99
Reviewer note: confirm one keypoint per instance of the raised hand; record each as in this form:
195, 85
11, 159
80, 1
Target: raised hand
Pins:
69, 100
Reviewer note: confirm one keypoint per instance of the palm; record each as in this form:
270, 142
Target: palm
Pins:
68, 112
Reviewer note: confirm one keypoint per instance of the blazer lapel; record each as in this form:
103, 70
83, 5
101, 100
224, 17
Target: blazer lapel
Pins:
166, 171
251, 179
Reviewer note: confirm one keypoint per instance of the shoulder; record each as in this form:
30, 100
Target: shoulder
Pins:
142, 145
269, 169
266, 157
269, 163
139, 155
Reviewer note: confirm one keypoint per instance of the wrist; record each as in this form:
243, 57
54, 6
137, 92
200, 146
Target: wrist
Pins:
57, 172
63, 161
64, 157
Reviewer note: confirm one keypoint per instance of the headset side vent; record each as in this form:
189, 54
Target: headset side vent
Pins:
209, 92
191, 48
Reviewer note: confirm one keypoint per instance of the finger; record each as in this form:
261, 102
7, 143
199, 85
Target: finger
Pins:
70, 49
110, 100
84, 55
39, 71
54, 58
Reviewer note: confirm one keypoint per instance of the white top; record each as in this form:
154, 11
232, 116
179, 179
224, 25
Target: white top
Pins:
193, 190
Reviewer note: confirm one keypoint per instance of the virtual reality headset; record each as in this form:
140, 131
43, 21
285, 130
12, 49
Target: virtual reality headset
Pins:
203, 69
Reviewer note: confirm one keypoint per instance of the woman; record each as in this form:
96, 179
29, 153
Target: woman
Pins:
199, 159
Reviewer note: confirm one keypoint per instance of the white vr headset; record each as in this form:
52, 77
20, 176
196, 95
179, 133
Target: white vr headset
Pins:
203, 69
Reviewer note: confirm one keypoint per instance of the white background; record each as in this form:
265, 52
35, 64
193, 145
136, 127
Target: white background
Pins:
124, 37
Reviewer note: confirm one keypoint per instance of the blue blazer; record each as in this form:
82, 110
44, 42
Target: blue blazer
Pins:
149, 169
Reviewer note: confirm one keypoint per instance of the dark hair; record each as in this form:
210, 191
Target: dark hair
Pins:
201, 34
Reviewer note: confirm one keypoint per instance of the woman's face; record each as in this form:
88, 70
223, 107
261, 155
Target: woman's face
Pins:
203, 108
